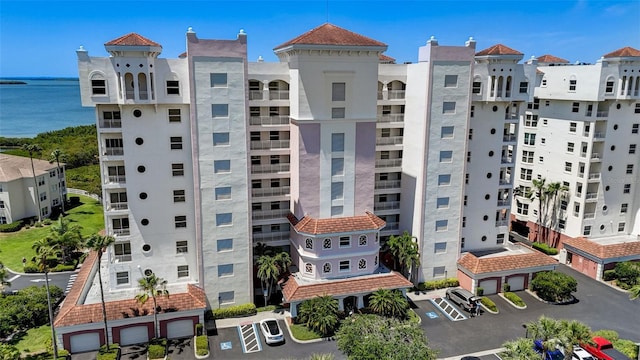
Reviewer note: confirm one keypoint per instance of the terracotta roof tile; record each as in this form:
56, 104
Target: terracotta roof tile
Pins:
309, 225
551, 59
329, 34
480, 265
293, 291
624, 52
605, 251
71, 313
387, 59
132, 39
498, 49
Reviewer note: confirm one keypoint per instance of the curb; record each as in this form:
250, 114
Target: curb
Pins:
286, 322
512, 304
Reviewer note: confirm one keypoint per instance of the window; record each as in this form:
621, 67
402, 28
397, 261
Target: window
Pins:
225, 270
223, 193
180, 221
220, 110
337, 210
609, 87
178, 196
563, 205
326, 268
573, 126
500, 239
308, 268
122, 278
218, 80
338, 91
40, 180
526, 174
182, 247
362, 264
99, 87
224, 245
470, 134
632, 149
442, 225
527, 157
362, 240
472, 112
575, 107
522, 208
562, 223
531, 120
337, 166
326, 243
220, 138
183, 271
449, 107
444, 180
43, 196
440, 247
634, 128
173, 87
338, 113
439, 271
345, 241
308, 243
627, 189
637, 109
177, 169
446, 132
174, 115
1, 204
450, 80
226, 297
477, 87
337, 142
621, 226
176, 142
524, 87
529, 139
629, 168
623, 208
337, 190
442, 202
572, 84
586, 231
570, 147
446, 156
567, 166
122, 251
222, 166
224, 219
345, 265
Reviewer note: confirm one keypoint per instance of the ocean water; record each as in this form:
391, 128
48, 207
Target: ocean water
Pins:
41, 105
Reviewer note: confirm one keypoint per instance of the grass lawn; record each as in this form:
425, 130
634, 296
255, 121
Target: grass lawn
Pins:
35, 340
14, 246
302, 332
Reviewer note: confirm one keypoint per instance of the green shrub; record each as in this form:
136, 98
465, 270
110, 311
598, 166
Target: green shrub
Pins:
266, 308
554, 286
610, 335
202, 344
514, 298
47, 221
627, 272
545, 248
232, 311
31, 268
157, 348
438, 284
610, 275
626, 347
112, 354
38, 224
479, 291
63, 267
13, 227
199, 329
488, 303
506, 288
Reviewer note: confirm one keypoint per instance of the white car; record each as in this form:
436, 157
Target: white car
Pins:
271, 331
581, 354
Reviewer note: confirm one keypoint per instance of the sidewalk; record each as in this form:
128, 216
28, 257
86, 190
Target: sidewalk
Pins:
280, 314
426, 295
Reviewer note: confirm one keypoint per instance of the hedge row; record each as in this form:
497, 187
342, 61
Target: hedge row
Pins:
202, 345
545, 248
232, 311
514, 298
438, 284
112, 354
12, 227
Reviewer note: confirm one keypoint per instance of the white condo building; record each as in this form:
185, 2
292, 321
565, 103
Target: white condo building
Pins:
324, 154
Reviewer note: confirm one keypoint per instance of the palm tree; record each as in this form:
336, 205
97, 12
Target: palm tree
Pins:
574, 332
553, 190
262, 249
390, 303
152, 286
320, 314
268, 272
34, 149
518, 349
67, 236
99, 244
44, 250
549, 331
404, 248
57, 155
283, 259
538, 192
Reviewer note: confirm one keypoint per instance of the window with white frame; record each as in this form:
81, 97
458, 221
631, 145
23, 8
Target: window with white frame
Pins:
623, 208
442, 202
626, 189
122, 251
442, 225
567, 166
345, 241
345, 266
337, 166
98, 85
179, 196
338, 91
608, 88
446, 156
444, 179
629, 168
572, 84
446, 132
174, 115
219, 110
476, 87
500, 239
362, 240
337, 142
326, 243
440, 247
524, 87
575, 107
527, 157
570, 147
173, 87
586, 231
522, 208
337, 210
223, 193
226, 297
183, 271
526, 174
337, 190
529, 139
221, 166
180, 221
338, 113
182, 247
308, 243
177, 169
122, 278
449, 107
632, 148
176, 142
225, 270
362, 264
531, 120
224, 245
308, 268
218, 79
451, 81
220, 138
326, 268
439, 271
621, 226
224, 219
635, 128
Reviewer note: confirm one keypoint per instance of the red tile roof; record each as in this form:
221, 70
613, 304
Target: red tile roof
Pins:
480, 265
132, 39
329, 34
551, 59
386, 59
71, 313
624, 52
309, 225
498, 49
293, 291
605, 251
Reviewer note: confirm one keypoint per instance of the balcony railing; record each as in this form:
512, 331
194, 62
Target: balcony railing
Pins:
269, 214
388, 162
278, 94
121, 232
276, 191
390, 140
271, 236
602, 113
387, 184
507, 160
505, 181
504, 202
391, 226
269, 120
502, 223
509, 138
122, 258
387, 205
109, 124
591, 196
269, 168
396, 94
118, 206
390, 118
113, 151
115, 179
269, 144
379, 95
591, 215
255, 94
511, 116
594, 176
599, 135
595, 156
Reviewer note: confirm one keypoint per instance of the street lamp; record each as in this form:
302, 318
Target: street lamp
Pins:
526, 329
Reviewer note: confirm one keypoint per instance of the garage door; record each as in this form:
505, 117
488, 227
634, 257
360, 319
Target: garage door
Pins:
516, 283
180, 329
85, 342
489, 286
134, 335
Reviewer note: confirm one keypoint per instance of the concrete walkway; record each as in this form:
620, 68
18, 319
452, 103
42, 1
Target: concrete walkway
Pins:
279, 314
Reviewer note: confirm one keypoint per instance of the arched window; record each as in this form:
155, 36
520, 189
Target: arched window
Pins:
278, 90
499, 89
308, 243
326, 268
380, 88
508, 87
362, 240
308, 268
98, 84
362, 264
396, 90
142, 86
129, 86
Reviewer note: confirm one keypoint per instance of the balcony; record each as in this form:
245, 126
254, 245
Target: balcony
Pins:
503, 202
115, 179
396, 94
117, 206
387, 205
382, 163
121, 232
594, 176
387, 184
275, 191
278, 94
114, 151
591, 215
591, 196
505, 181
602, 113
271, 236
121, 258
595, 157
391, 226
511, 117
269, 214
110, 123
255, 94
390, 140
507, 160
379, 95
269, 120
600, 135
269, 144
269, 168
510, 138
502, 223
390, 118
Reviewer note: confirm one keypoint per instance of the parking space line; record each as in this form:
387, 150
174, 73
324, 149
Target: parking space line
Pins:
448, 309
249, 337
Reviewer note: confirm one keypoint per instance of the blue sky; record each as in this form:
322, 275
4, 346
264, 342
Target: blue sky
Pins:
39, 38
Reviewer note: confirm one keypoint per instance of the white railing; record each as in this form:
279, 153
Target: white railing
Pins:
113, 151
504, 202
390, 118
396, 94
391, 226
121, 232
390, 140
271, 236
269, 144
277, 191
387, 184
502, 223
511, 117
108, 124
507, 160
269, 214
388, 162
594, 176
255, 95
602, 113
506, 181
278, 94
509, 138
269, 120
591, 215
387, 205
591, 196
595, 156
269, 168
122, 258
114, 179
599, 135
379, 95
118, 206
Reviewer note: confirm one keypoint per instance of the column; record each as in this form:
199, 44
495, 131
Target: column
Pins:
293, 308
340, 304
360, 303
